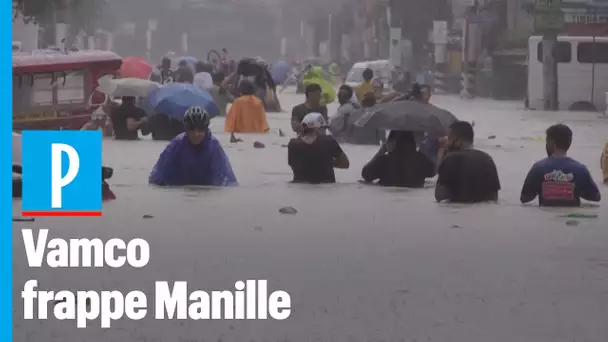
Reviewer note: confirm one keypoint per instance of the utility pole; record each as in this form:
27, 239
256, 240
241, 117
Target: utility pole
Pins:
395, 35
550, 82
549, 20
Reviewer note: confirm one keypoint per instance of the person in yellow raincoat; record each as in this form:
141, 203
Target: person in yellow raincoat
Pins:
335, 72
317, 75
604, 163
247, 114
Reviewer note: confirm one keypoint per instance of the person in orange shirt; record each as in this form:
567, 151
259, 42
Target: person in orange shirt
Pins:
247, 114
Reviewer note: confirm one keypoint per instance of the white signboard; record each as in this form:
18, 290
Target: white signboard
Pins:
396, 48
440, 32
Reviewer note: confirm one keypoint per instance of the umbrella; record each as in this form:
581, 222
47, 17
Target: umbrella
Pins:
405, 116
126, 86
135, 67
174, 99
280, 72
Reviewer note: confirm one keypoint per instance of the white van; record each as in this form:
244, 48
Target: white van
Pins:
578, 58
382, 68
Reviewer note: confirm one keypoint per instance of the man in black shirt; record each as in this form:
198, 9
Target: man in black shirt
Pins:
184, 73
314, 155
128, 119
312, 105
466, 175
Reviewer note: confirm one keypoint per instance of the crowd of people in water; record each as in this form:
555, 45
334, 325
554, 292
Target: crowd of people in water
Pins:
464, 174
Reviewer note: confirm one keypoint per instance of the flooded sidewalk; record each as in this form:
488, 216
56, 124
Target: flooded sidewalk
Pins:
362, 263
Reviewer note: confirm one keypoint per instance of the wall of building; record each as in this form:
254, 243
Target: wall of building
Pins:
26, 33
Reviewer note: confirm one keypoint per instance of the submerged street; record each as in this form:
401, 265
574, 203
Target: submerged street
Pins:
361, 262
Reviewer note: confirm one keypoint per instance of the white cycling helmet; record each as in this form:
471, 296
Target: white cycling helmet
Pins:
196, 118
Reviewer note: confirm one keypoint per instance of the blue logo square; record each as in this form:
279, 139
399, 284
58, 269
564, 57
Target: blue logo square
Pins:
61, 173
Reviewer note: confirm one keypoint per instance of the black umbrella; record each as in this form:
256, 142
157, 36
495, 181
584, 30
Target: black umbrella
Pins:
405, 116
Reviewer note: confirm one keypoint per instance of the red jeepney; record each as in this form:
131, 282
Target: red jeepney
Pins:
56, 90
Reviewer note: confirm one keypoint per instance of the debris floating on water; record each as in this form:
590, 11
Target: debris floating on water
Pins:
284, 145
581, 215
23, 219
492, 137
146, 216
257, 144
572, 223
456, 226
281, 134
288, 210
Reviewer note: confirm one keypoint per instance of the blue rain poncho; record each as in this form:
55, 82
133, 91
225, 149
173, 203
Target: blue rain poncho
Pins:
182, 163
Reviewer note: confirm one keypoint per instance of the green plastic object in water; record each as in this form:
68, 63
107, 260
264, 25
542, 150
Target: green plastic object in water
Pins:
316, 75
580, 215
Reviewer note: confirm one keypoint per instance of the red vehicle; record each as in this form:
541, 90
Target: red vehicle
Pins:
56, 90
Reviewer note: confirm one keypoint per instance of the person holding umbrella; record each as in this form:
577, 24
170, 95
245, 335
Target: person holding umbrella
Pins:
397, 163
128, 119
194, 157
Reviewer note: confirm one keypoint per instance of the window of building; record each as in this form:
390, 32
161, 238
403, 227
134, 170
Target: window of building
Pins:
562, 52
592, 52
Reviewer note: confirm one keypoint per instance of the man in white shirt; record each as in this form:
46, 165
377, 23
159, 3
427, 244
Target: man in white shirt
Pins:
202, 78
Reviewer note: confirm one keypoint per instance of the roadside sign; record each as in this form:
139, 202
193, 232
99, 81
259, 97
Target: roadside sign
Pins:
440, 32
396, 47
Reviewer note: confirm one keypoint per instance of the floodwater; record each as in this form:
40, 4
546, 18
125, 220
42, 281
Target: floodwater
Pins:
362, 263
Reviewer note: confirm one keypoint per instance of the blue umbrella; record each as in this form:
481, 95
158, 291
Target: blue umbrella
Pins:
174, 99
280, 72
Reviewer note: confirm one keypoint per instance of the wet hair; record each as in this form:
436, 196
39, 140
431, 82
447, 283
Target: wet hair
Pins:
416, 91
184, 75
368, 74
560, 135
345, 94
463, 130
200, 67
246, 88
312, 88
165, 63
404, 140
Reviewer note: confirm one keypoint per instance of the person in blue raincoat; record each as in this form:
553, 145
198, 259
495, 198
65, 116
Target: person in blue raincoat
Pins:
194, 157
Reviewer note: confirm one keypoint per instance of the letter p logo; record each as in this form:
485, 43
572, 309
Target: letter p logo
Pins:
61, 173
58, 180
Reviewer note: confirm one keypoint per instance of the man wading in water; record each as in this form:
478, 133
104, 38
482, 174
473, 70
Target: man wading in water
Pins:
312, 105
